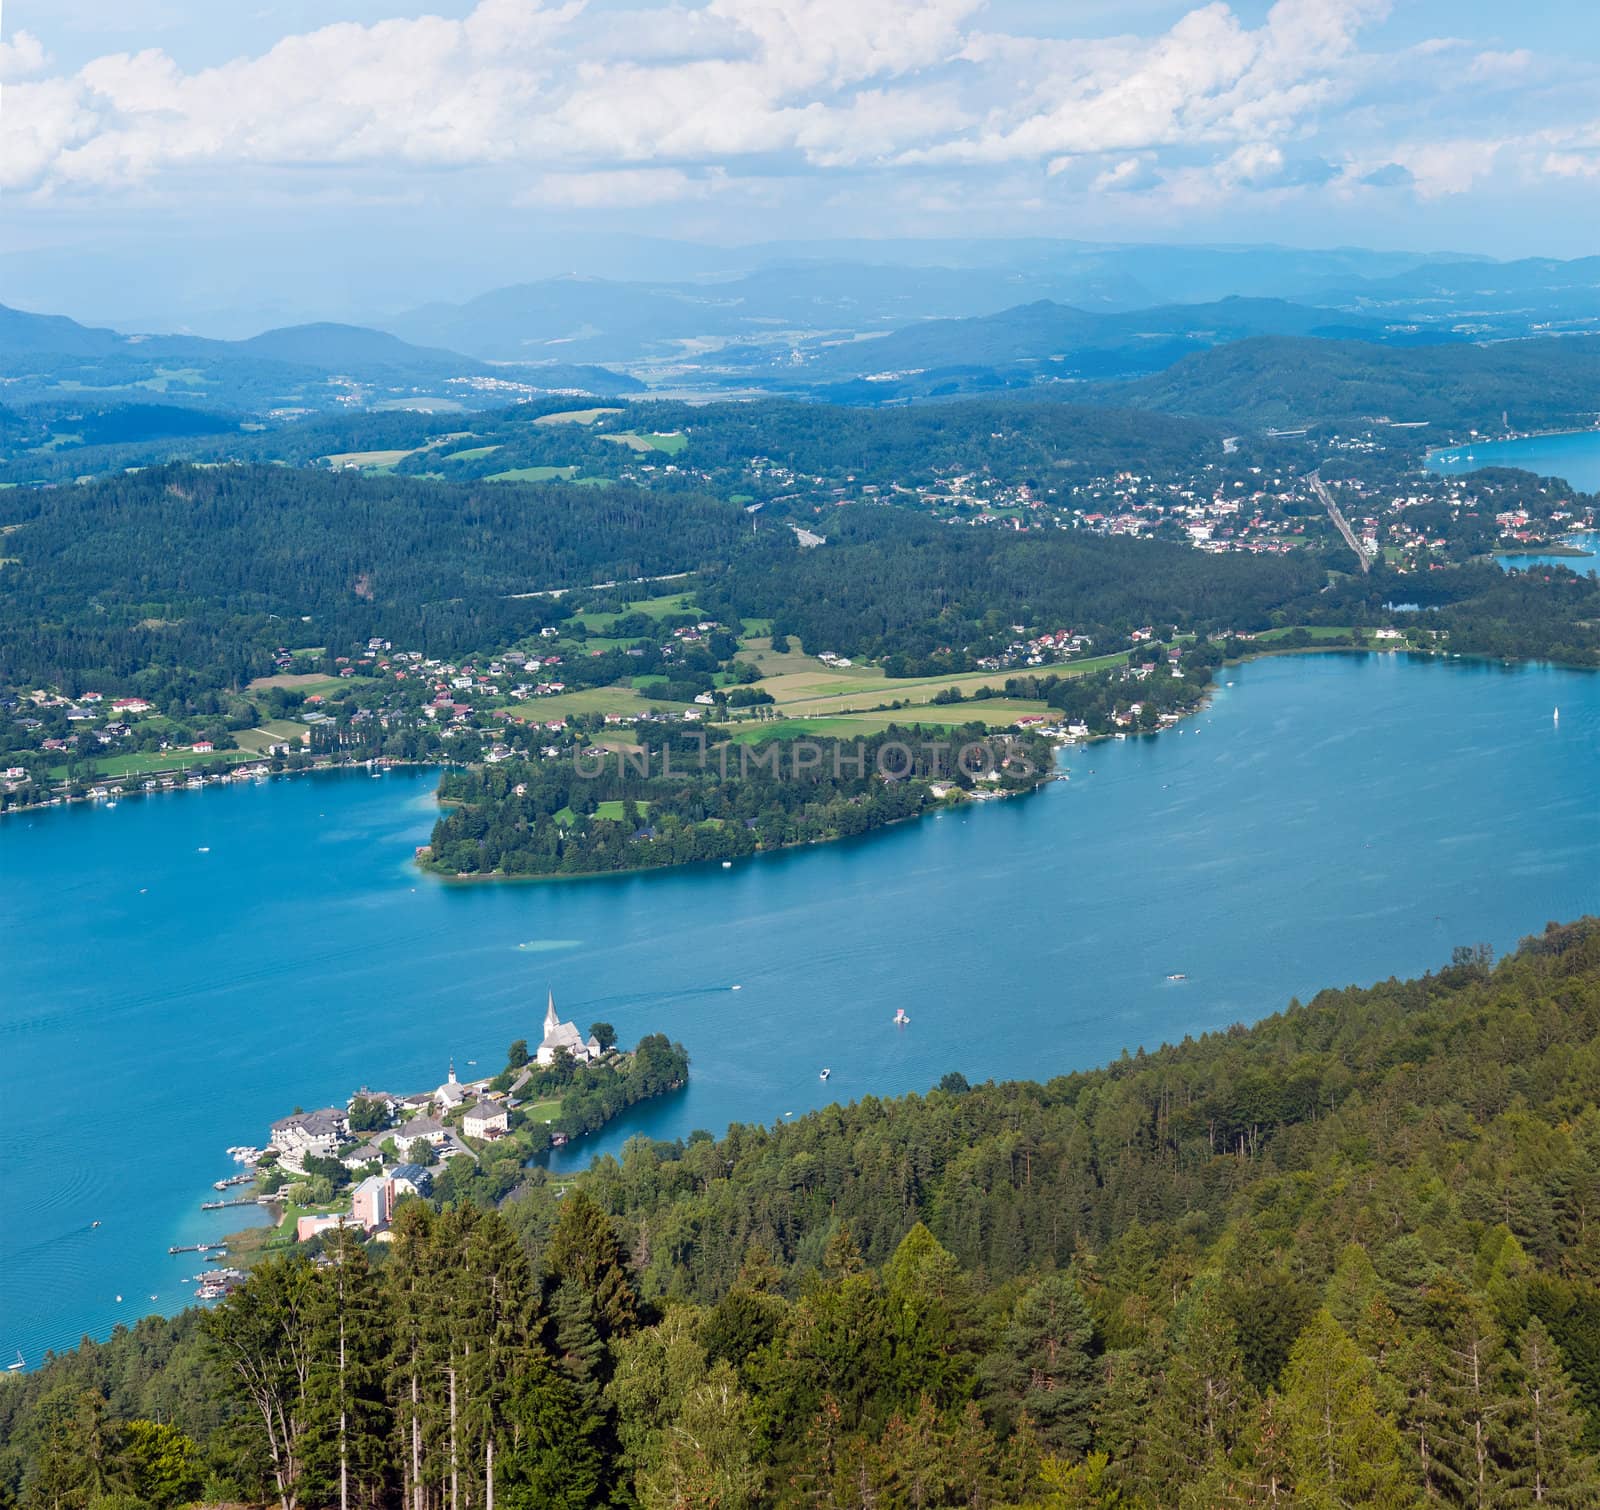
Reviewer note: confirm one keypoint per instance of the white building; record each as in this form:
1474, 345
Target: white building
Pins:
318, 1132
565, 1035
485, 1120
451, 1094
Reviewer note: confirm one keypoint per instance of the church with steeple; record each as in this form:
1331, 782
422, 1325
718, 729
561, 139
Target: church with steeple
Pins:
565, 1035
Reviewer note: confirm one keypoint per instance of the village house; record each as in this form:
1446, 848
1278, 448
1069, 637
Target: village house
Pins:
485, 1120
420, 1130
410, 1179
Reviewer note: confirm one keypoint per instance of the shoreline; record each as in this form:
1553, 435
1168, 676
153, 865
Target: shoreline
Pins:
1501, 440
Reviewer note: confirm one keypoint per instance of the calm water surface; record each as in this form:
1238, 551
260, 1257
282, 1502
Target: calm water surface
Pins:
1330, 819
1574, 456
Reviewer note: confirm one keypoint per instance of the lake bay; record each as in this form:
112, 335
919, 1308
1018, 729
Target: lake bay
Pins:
183, 969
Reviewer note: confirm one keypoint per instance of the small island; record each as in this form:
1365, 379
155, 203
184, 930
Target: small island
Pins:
462, 1140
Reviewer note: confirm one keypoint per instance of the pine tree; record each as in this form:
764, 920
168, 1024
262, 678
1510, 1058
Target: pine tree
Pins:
1469, 1395
1341, 1449
264, 1337
495, 1306
1202, 1396
348, 1417
928, 1320
583, 1250
579, 1351
415, 1376
1544, 1431
1045, 1365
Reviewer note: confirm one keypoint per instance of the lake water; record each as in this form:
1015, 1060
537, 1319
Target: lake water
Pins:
182, 970
1574, 456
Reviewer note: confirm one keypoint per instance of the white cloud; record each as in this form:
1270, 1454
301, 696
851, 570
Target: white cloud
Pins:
712, 98
622, 187
22, 55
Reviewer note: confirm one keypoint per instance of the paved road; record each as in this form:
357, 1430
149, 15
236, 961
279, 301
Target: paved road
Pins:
1340, 522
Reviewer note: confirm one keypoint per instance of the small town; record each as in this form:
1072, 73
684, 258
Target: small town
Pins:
348, 1167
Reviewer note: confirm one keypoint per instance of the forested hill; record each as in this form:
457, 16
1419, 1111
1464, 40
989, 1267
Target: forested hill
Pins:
1288, 381
205, 567
1346, 1257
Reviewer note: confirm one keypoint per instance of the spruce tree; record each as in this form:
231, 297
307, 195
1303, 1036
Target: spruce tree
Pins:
495, 1310
583, 1251
927, 1303
1547, 1464
415, 1378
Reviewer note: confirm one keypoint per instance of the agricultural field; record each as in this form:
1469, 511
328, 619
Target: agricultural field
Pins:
387, 461
575, 416
671, 443
593, 700
368, 461
532, 474
311, 683
652, 608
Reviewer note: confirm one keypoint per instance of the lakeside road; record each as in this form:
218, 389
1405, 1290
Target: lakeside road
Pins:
1340, 522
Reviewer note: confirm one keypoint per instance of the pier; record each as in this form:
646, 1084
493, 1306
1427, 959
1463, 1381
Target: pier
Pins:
199, 1248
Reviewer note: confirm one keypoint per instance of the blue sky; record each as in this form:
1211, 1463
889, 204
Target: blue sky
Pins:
475, 127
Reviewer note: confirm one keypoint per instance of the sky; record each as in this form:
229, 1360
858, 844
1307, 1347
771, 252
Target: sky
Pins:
387, 150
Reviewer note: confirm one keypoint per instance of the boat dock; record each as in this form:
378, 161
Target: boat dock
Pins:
198, 1248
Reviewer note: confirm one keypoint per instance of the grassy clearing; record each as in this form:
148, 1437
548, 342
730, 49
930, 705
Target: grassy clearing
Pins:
612, 809
368, 460
310, 683
472, 453
290, 680
670, 444
147, 763
593, 700
575, 416
652, 608
542, 1111
275, 731
532, 474
996, 713
1316, 631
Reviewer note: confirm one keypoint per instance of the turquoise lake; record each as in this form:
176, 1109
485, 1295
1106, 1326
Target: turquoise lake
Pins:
183, 969
1574, 456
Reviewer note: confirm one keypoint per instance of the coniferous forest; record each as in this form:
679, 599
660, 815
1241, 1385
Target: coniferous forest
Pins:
1346, 1257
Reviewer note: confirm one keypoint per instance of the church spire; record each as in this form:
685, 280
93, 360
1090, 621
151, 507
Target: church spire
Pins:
550, 1018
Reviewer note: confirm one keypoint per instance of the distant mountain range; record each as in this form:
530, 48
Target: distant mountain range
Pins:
304, 367
1045, 341
799, 322
1289, 381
